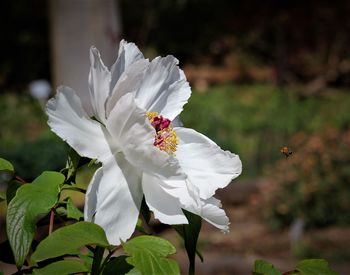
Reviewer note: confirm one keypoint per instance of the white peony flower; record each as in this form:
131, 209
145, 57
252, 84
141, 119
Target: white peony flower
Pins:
131, 127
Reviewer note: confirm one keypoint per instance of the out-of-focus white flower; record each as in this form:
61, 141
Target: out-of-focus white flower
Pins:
132, 128
40, 89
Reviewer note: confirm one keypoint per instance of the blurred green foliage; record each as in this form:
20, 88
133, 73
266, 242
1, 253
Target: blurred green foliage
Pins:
25, 139
255, 121
22, 118
31, 158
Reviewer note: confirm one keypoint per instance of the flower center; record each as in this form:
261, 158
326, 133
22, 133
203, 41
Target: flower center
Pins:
165, 138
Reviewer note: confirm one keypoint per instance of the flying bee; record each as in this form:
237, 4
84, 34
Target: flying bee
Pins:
286, 151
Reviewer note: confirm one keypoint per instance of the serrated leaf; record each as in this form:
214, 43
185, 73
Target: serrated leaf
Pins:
190, 232
6, 171
315, 267
72, 211
117, 266
61, 268
68, 239
262, 267
72, 163
147, 254
31, 201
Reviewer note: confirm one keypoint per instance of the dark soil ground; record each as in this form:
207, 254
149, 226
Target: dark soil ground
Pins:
250, 239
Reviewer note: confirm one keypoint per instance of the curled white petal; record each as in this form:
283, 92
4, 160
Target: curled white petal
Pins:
206, 165
166, 207
128, 54
212, 213
99, 81
69, 121
113, 199
129, 82
164, 88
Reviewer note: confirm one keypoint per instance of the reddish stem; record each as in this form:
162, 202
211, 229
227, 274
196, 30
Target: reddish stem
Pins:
52, 218
20, 179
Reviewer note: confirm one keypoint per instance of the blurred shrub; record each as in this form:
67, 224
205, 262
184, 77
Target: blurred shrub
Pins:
254, 121
21, 119
25, 138
312, 184
31, 158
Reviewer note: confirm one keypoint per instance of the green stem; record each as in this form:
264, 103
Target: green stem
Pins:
96, 263
192, 267
110, 254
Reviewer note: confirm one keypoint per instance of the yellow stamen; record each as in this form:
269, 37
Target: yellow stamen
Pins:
165, 137
151, 115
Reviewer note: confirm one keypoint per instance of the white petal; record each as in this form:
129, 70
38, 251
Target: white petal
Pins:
91, 195
113, 199
128, 54
99, 81
165, 207
129, 81
206, 165
164, 89
70, 122
186, 192
130, 127
213, 214
176, 122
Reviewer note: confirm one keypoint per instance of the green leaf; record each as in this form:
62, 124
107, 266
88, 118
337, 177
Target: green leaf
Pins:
12, 189
190, 232
30, 203
117, 266
140, 228
68, 239
2, 196
134, 271
61, 268
5, 165
72, 211
72, 163
87, 260
6, 171
147, 254
314, 267
262, 267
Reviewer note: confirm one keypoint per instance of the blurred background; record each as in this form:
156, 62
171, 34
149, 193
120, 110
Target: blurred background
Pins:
264, 75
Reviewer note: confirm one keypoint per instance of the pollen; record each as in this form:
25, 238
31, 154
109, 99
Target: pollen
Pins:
165, 138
